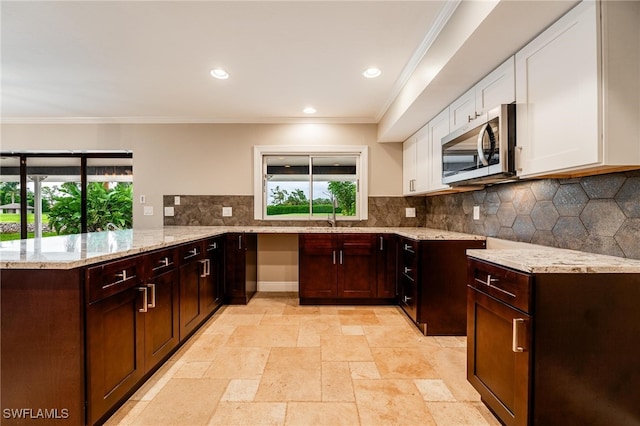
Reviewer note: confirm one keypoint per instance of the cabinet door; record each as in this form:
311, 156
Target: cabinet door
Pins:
437, 129
317, 266
409, 156
161, 318
191, 268
387, 260
115, 349
422, 160
557, 96
357, 266
496, 88
499, 374
212, 285
462, 110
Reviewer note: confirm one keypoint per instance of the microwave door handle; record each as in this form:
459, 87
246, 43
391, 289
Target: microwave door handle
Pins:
480, 146
486, 128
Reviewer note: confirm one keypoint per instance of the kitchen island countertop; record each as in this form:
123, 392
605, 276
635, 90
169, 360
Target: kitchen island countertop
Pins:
550, 260
77, 250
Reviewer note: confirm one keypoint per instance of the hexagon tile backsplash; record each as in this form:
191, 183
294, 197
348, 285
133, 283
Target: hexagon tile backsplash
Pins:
598, 214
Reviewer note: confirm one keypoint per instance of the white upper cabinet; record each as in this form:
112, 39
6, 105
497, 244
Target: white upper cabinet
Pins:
422, 157
578, 93
409, 156
496, 88
437, 129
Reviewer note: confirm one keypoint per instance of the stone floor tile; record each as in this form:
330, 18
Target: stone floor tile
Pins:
345, 348
238, 363
182, 402
403, 363
364, 370
264, 336
456, 413
336, 382
321, 414
390, 402
240, 390
352, 330
433, 390
249, 413
451, 366
291, 374
192, 370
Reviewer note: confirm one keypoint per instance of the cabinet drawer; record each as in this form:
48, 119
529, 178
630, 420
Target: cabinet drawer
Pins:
509, 286
114, 277
161, 261
190, 252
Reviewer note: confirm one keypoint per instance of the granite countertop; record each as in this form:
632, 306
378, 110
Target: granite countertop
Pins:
72, 251
553, 260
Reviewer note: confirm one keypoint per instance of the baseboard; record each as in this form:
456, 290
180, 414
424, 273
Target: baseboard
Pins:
266, 286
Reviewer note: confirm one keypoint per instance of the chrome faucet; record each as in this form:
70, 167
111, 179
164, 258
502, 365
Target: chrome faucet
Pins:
332, 219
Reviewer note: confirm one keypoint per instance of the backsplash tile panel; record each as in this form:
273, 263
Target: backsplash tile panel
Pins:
206, 210
598, 214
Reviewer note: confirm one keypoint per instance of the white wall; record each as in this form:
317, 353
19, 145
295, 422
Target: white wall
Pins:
203, 159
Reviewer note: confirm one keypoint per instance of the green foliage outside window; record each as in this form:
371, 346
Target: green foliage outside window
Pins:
107, 207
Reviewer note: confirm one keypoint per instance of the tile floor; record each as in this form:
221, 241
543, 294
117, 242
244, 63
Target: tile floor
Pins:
273, 362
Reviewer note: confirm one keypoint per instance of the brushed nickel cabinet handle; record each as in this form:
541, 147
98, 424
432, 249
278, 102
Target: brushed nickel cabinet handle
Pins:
145, 302
515, 347
153, 295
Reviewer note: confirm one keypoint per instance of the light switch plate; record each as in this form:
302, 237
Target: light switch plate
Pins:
143, 199
410, 212
169, 211
476, 212
227, 212
148, 210
176, 200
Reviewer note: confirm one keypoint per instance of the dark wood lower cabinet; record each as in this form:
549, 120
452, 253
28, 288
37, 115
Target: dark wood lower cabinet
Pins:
241, 267
42, 352
346, 268
554, 349
115, 350
432, 284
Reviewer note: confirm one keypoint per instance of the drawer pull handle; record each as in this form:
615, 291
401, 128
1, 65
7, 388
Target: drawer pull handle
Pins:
123, 275
192, 252
153, 295
406, 299
409, 248
407, 270
493, 280
515, 347
145, 303
213, 246
341, 262
206, 268
381, 243
334, 257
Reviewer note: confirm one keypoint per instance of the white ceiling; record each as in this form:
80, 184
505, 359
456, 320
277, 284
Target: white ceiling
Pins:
149, 61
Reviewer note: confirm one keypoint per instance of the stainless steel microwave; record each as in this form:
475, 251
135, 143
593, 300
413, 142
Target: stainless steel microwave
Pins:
481, 152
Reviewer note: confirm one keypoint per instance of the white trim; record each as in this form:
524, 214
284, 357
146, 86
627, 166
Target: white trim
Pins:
273, 286
362, 151
441, 20
188, 120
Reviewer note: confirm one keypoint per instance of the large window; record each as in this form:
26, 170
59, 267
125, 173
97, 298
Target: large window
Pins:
52, 192
314, 184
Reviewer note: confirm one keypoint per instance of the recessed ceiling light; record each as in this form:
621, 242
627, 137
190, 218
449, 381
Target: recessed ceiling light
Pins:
372, 72
219, 73
309, 110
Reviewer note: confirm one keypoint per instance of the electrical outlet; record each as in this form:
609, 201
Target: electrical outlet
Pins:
410, 212
476, 212
176, 200
227, 211
148, 210
169, 211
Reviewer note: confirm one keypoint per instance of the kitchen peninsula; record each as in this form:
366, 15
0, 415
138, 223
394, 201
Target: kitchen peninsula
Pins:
86, 319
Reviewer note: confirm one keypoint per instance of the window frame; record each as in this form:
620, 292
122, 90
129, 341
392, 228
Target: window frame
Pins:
259, 189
